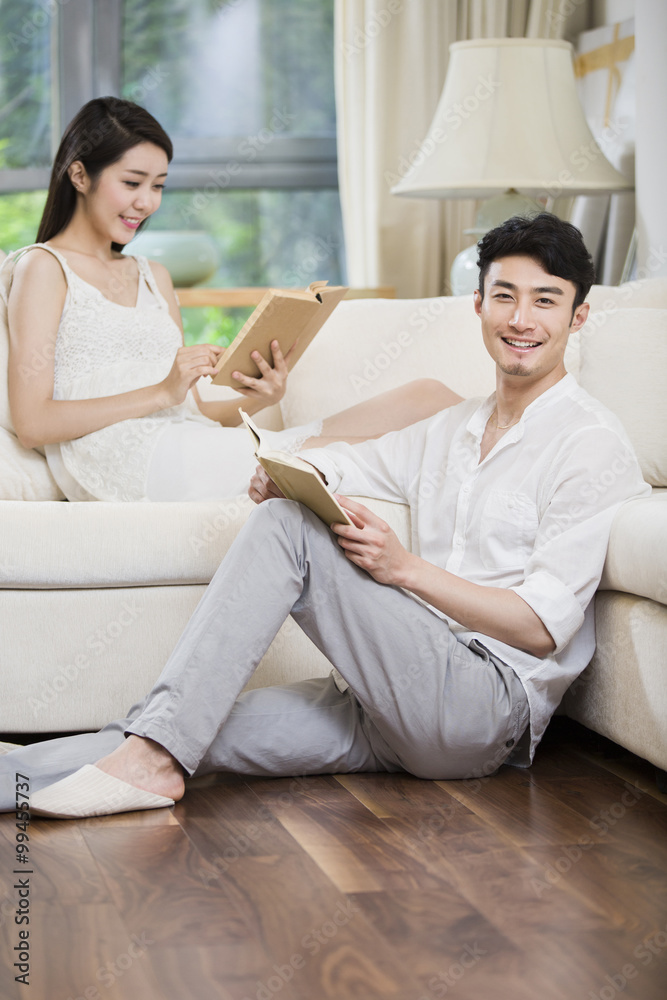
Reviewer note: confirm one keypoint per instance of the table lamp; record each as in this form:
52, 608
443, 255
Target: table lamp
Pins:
509, 124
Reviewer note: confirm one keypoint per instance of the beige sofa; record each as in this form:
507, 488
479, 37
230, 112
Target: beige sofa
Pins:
93, 596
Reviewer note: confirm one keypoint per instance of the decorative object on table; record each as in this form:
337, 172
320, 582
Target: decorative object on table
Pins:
509, 122
190, 256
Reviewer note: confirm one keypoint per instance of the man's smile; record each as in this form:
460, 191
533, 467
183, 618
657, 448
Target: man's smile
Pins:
521, 345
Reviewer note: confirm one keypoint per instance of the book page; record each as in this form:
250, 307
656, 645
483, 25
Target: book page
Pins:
297, 479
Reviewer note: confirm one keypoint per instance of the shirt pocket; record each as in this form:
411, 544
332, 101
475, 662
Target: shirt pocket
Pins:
508, 526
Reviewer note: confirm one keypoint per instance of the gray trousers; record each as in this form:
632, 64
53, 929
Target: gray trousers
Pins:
418, 699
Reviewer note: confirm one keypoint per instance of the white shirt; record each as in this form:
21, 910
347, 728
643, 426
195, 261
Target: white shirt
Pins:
533, 517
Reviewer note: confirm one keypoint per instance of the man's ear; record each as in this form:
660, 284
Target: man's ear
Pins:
580, 316
477, 299
78, 175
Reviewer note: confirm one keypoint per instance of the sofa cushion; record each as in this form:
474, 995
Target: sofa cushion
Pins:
637, 556
83, 545
370, 345
24, 473
624, 365
646, 293
649, 293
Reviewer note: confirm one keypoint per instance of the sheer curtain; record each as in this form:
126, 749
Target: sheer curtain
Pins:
390, 65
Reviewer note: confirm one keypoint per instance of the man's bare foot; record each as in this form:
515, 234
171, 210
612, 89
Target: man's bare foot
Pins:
147, 765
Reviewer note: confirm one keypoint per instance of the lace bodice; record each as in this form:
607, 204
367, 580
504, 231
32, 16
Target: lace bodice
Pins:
103, 348
96, 334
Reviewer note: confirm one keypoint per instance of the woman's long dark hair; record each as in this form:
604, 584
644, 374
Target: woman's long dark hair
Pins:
99, 135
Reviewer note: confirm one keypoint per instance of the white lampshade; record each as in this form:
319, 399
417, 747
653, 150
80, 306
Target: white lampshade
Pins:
509, 117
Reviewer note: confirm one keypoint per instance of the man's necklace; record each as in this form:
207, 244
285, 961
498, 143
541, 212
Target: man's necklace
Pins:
503, 427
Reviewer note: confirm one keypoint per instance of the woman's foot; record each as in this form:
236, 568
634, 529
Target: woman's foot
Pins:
145, 764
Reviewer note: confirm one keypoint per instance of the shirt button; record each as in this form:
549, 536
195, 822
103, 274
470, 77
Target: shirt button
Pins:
510, 743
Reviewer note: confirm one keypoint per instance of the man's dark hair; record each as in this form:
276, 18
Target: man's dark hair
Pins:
556, 245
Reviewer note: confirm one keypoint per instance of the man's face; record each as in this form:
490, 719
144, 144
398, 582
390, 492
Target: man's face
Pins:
526, 318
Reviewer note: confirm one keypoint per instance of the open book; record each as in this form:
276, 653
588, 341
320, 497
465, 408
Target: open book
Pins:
297, 479
285, 315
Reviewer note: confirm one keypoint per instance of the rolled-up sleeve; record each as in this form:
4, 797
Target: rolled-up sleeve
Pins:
565, 566
555, 604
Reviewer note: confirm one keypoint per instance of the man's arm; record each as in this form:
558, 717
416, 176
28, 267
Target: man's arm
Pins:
380, 468
494, 611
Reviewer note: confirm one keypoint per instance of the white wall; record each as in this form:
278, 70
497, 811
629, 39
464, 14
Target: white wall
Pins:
612, 11
651, 157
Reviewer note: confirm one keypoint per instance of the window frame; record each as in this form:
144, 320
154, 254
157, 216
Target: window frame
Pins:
86, 39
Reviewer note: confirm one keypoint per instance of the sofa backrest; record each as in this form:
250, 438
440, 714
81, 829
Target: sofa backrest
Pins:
623, 363
371, 345
649, 293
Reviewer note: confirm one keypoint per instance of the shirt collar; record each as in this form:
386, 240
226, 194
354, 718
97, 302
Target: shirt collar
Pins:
478, 421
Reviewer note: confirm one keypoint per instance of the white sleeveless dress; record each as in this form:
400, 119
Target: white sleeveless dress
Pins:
103, 348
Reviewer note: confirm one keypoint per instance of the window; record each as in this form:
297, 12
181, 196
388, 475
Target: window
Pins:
245, 90
26, 114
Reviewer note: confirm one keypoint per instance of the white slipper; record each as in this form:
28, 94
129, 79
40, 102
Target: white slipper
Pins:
91, 792
8, 747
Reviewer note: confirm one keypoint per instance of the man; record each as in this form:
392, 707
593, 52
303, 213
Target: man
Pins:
455, 654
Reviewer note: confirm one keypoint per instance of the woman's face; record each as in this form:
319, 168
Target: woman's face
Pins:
126, 192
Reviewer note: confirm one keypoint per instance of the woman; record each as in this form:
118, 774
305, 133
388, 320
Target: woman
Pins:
98, 374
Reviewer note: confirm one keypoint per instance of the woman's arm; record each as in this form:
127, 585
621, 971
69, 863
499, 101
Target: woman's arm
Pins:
35, 306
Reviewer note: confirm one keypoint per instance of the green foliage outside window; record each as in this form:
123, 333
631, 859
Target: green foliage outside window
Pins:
19, 218
25, 83
283, 59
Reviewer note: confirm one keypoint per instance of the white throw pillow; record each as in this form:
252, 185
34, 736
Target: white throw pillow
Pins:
624, 365
649, 293
24, 473
646, 293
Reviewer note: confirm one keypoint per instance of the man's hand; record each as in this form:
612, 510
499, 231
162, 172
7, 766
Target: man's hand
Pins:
371, 544
495, 611
262, 487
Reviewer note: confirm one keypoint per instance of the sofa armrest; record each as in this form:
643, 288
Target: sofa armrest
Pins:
637, 556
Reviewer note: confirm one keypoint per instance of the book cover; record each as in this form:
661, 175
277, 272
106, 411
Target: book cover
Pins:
286, 315
297, 479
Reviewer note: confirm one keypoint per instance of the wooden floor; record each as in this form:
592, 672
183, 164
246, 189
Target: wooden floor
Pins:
546, 884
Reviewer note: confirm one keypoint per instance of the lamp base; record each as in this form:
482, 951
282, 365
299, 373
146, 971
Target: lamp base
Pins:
464, 276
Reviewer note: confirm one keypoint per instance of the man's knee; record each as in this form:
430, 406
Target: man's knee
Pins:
277, 509
289, 514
